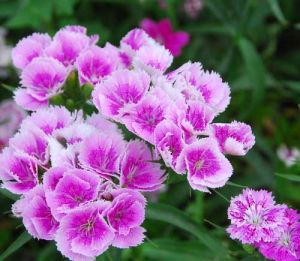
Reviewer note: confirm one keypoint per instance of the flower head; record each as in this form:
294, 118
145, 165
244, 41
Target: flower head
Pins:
288, 155
207, 166
41, 79
36, 214
18, 173
83, 233
137, 169
255, 217
29, 48
235, 138
94, 64
118, 92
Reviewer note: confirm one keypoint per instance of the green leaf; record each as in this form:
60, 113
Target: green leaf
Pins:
8, 194
18, 243
290, 177
64, 7
174, 250
31, 13
255, 69
171, 215
277, 11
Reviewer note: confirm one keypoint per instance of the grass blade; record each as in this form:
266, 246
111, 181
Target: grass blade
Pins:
18, 243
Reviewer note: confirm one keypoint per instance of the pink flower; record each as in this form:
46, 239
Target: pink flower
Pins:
255, 217
29, 48
154, 59
137, 170
36, 214
196, 84
287, 246
197, 118
11, 117
169, 142
235, 138
63, 49
207, 166
288, 155
134, 40
18, 173
50, 119
42, 78
125, 216
101, 152
31, 143
162, 32
94, 64
115, 96
74, 188
83, 233
146, 116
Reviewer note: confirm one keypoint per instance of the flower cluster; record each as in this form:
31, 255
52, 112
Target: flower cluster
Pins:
11, 117
80, 182
174, 112
257, 220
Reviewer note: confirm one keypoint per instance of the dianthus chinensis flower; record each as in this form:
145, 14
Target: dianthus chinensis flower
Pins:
83, 179
257, 220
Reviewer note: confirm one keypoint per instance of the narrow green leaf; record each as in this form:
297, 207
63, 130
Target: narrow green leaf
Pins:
255, 70
8, 87
18, 243
8, 194
277, 11
173, 250
235, 185
290, 177
177, 218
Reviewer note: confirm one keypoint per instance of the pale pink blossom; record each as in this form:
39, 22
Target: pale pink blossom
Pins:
41, 80
94, 64
170, 143
254, 217
101, 153
31, 143
83, 233
18, 173
115, 96
63, 49
29, 48
36, 214
207, 167
162, 32
234, 138
134, 40
50, 119
73, 189
154, 59
138, 171
145, 116
288, 155
193, 7
127, 211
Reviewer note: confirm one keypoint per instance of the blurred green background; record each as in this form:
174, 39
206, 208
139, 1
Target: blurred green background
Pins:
255, 46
